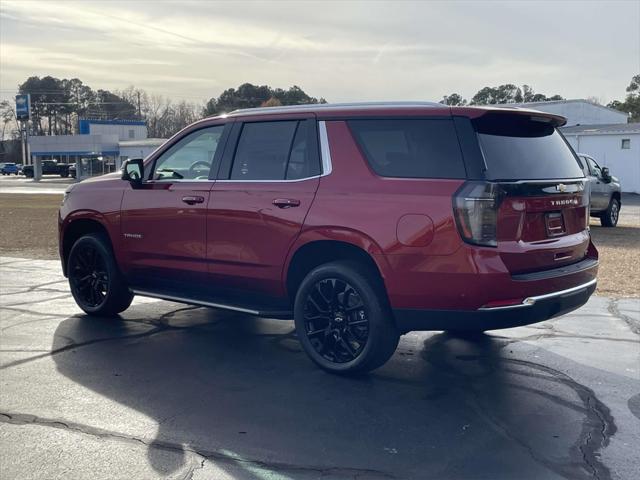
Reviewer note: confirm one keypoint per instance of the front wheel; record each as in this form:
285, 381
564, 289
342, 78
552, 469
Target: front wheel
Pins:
95, 280
609, 217
343, 320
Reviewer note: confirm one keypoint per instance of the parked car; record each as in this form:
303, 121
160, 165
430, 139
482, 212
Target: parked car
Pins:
606, 199
9, 168
49, 167
360, 221
73, 172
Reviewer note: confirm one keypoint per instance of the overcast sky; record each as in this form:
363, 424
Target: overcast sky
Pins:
337, 50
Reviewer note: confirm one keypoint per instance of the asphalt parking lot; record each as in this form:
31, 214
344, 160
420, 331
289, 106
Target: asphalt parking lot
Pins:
49, 184
172, 391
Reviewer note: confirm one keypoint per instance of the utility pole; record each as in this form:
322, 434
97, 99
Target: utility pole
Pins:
139, 112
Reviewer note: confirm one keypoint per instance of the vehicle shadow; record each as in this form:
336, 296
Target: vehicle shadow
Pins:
240, 390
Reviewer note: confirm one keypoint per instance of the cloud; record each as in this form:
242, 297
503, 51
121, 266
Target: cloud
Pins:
338, 50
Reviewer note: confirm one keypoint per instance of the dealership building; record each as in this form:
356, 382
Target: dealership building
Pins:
100, 147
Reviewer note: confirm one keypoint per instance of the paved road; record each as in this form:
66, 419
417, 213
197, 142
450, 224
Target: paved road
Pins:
48, 185
169, 391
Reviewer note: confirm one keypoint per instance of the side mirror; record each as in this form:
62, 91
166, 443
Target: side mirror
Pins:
605, 174
133, 171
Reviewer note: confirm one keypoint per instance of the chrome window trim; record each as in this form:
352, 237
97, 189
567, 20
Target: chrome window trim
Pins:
530, 301
270, 181
325, 160
178, 180
325, 151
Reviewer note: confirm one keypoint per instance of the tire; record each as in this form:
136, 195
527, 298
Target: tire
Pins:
96, 283
64, 175
609, 217
337, 335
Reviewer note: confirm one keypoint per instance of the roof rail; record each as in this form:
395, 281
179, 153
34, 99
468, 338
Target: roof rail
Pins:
329, 106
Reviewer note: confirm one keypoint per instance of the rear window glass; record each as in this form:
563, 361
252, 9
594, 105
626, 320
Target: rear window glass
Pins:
518, 148
410, 148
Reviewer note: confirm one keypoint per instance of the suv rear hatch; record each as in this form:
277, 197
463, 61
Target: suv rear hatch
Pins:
532, 206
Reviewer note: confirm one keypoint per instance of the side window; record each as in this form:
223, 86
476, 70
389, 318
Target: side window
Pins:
274, 151
410, 148
303, 163
594, 167
190, 158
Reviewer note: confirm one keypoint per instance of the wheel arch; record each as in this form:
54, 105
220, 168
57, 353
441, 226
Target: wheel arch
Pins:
76, 228
617, 196
307, 256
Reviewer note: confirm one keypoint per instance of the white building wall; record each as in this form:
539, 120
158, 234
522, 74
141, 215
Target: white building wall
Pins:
606, 149
137, 151
124, 132
72, 144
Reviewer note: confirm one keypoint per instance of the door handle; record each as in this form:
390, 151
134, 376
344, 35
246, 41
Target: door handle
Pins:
192, 200
286, 202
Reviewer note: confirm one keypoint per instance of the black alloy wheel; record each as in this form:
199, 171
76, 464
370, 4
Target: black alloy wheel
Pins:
336, 320
96, 283
343, 318
89, 276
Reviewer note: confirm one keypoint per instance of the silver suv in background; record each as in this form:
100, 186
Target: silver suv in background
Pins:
605, 191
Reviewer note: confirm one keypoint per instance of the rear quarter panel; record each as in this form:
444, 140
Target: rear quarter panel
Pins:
355, 205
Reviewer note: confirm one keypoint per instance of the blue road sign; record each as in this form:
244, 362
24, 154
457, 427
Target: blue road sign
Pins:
23, 106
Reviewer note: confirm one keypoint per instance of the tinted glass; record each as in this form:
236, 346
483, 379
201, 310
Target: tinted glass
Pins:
263, 151
410, 148
191, 158
302, 161
518, 148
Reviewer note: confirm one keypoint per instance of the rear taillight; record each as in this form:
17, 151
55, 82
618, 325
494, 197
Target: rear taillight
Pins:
475, 207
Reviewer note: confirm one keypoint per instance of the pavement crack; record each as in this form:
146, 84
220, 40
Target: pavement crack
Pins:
598, 426
614, 310
199, 466
73, 346
218, 456
33, 301
597, 423
159, 326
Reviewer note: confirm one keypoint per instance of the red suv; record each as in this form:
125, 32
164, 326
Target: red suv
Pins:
361, 222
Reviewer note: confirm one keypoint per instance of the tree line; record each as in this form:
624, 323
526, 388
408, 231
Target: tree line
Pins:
510, 93
58, 104
507, 93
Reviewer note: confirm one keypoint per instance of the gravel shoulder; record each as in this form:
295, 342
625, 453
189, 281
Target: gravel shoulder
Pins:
29, 230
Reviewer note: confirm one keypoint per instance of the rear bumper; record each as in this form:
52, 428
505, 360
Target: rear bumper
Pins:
532, 309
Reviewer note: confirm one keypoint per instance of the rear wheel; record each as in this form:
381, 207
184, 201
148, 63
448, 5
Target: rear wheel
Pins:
95, 280
343, 320
609, 217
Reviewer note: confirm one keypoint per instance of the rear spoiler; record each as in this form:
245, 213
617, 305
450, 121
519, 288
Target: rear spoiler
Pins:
535, 115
